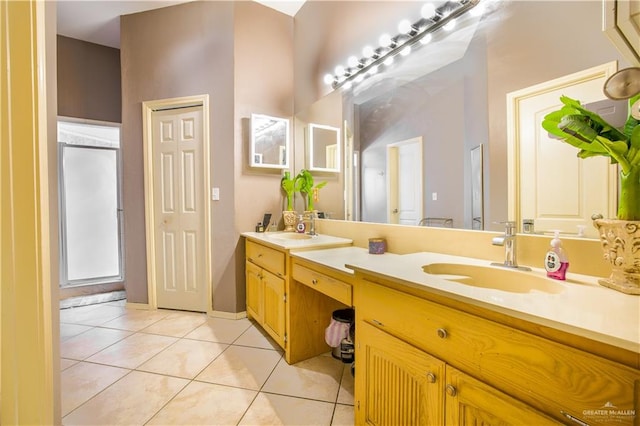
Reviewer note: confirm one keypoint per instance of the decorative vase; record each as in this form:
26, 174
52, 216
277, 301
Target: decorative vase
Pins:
290, 219
620, 242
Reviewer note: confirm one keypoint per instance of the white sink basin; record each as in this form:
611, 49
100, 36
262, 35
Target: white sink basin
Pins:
496, 278
291, 236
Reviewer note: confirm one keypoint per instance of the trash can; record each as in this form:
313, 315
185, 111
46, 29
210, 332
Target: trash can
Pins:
340, 335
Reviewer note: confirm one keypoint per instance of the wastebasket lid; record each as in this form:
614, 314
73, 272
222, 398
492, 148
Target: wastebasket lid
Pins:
344, 315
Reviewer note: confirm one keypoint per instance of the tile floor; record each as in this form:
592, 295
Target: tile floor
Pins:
131, 367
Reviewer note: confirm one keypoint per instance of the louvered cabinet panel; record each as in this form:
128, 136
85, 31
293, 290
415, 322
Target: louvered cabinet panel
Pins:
401, 384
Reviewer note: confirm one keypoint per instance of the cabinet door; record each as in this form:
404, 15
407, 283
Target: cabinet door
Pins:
254, 292
274, 306
469, 402
396, 383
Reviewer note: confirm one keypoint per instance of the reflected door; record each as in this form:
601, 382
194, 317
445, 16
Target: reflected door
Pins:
404, 168
553, 186
178, 178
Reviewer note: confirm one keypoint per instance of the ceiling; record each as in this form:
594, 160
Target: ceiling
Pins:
98, 21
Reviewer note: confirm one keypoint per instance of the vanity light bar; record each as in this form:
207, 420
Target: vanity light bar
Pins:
410, 34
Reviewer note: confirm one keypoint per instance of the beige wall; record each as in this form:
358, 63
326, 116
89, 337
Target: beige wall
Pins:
240, 54
263, 46
88, 80
172, 52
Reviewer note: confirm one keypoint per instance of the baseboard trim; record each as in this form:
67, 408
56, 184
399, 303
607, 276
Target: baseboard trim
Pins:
138, 306
228, 315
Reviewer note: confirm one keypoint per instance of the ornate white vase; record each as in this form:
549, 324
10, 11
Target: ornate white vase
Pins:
621, 245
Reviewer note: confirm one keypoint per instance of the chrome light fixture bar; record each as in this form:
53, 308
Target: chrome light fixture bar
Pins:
401, 44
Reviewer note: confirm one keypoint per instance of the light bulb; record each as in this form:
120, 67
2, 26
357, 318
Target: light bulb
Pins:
339, 70
373, 70
353, 61
426, 39
428, 11
347, 85
359, 78
404, 27
328, 79
450, 25
385, 40
388, 61
368, 51
406, 51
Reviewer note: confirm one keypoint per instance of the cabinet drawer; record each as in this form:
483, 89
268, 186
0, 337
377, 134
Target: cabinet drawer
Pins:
547, 375
332, 287
268, 258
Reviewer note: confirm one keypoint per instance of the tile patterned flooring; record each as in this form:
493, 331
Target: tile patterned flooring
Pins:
131, 367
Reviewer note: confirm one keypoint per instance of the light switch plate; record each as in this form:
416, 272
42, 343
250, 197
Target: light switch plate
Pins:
215, 194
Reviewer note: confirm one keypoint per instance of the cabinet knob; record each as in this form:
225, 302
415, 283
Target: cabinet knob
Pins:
314, 281
452, 391
442, 333
431, 378
259, 255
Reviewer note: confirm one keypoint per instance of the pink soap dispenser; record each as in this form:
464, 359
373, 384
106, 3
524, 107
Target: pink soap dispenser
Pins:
556, 262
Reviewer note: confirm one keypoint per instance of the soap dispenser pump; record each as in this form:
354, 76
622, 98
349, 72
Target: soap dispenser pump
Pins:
556, 262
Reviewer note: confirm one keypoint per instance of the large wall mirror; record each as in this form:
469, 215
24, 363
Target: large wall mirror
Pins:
453, 94
269, 142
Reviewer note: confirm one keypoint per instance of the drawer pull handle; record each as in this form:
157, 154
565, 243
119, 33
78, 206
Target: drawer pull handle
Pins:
442, 333
314, 281
451, 391
431, 378
378, 323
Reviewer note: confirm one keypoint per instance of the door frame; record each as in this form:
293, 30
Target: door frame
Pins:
513, 142
148, 108
393, 173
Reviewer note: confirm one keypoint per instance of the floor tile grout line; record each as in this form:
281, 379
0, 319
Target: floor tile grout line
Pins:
189, 381
98, 393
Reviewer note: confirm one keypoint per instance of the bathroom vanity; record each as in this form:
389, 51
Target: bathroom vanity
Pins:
435, 352
443, 339
293, 304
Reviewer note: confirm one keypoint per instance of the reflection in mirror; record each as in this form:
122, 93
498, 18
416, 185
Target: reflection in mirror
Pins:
456, 98
477, 198
323, 148
269, 142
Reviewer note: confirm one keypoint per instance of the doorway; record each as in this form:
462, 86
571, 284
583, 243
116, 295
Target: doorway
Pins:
90, 208
548, 183
405, 186
176, 149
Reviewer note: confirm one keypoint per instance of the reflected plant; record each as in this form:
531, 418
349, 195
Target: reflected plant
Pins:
593, 136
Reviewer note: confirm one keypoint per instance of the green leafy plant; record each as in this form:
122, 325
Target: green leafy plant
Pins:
593, 136
304, 180
290, 186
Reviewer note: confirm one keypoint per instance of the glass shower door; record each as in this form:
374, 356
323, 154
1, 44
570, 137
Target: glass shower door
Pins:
90, 213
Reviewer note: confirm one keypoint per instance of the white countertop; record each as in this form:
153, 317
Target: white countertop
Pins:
336, 258
578, 305
279, 240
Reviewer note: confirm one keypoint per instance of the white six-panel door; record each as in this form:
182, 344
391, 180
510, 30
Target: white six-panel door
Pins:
404, 168
548, 182
178, 209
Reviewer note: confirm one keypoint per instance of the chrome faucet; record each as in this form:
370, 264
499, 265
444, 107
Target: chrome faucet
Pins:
311, 218
508, 240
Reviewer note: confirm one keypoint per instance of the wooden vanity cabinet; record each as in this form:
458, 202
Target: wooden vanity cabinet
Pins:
483, 372
403, 385
266, 275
